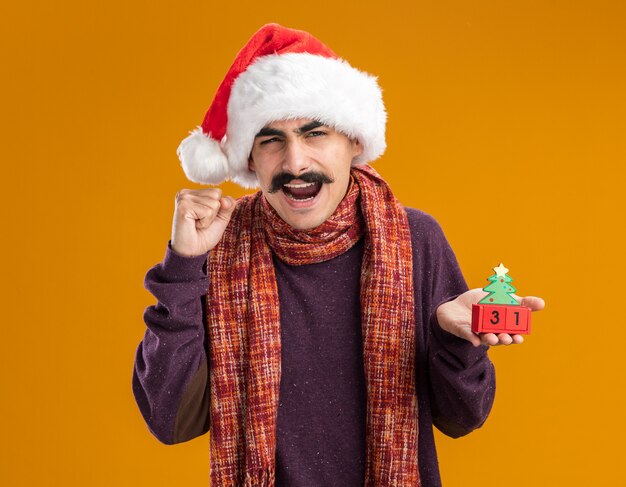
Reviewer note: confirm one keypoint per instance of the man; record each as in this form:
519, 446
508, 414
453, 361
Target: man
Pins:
317, 328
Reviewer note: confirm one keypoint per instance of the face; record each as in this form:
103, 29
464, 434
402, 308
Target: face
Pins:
303, 168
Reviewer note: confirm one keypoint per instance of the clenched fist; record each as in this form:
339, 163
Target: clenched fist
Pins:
200, 218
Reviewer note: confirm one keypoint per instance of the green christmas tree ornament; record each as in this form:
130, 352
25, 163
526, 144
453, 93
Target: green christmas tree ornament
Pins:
499, 288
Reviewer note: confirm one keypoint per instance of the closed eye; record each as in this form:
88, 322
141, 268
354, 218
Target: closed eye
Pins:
267, 141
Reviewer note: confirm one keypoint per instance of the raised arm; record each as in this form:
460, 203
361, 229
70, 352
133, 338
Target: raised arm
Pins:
170, 376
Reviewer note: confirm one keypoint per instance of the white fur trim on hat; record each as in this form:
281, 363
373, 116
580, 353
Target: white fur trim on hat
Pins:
202, 158
302, 85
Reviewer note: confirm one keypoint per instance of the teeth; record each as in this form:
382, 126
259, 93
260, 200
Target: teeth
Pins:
301, 199
303, 185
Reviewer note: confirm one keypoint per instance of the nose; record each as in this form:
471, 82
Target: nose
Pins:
296, 160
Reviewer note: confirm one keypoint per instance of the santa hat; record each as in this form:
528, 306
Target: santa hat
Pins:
281, 74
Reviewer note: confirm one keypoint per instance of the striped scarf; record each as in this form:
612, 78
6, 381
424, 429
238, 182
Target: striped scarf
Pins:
244, 331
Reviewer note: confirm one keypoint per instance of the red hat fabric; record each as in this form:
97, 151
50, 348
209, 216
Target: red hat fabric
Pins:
281, 74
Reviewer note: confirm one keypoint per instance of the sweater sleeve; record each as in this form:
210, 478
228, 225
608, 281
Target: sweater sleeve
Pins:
461, 376
170, 375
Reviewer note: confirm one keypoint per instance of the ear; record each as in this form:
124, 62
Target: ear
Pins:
357, 147
250, 163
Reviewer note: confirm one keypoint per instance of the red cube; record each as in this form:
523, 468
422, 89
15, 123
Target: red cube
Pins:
501, 318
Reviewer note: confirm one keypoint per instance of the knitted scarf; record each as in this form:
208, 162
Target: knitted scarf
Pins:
244, 331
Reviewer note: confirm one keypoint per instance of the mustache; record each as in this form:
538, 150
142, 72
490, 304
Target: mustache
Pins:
309, 177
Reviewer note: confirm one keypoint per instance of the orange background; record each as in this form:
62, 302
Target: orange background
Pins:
506, 123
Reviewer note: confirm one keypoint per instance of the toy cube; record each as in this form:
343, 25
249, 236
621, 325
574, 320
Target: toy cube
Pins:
500, 318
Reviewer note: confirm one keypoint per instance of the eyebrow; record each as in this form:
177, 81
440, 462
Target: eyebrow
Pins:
305, 128
309, 126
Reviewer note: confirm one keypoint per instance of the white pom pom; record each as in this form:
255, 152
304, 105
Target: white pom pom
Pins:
202, 158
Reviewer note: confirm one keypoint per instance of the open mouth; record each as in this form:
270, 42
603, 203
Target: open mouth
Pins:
302, 191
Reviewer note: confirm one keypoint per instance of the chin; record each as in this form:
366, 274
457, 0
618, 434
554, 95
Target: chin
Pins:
302, 221
306, 223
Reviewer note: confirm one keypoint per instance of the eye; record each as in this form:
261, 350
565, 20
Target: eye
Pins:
268, 141
316, 133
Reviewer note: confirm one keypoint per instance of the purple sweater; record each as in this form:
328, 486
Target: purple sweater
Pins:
321, 415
